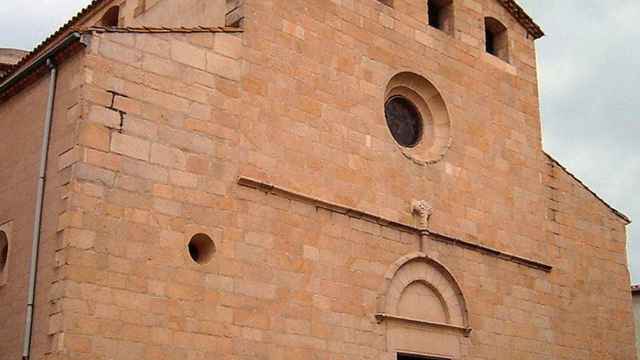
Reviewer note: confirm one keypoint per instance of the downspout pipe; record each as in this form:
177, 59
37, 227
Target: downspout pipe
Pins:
46, 59
37, 224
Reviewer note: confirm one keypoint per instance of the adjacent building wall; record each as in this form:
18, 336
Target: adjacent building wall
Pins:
21, 123
8, 58
11, 56
635, 294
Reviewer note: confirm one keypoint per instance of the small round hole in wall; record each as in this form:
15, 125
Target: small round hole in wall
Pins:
4, 250
404, 121
201, 248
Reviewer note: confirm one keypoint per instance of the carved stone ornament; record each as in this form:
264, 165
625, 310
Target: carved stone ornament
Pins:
423, 210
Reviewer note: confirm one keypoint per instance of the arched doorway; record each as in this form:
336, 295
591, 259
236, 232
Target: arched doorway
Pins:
424, 310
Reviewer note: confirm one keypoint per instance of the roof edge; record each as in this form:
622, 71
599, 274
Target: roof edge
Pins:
523, 18
616, 212
15, 76
163, 29
96, 5
53, 55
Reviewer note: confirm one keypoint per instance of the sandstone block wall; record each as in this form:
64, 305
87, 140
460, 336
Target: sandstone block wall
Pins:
21, 122
148, 170
167, 123
587, 244
489, 179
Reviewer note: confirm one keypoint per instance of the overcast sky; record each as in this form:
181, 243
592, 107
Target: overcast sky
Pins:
589, 70
588, 65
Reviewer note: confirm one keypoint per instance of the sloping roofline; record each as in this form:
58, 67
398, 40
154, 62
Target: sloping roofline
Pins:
96, 5
619, 214
58, 35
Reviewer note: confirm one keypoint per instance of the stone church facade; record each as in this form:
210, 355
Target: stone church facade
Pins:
291, 179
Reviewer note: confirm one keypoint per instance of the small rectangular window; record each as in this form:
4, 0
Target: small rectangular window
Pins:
440, 13
496, 38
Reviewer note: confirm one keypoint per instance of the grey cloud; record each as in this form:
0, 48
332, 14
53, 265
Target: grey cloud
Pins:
590, 102
26, 23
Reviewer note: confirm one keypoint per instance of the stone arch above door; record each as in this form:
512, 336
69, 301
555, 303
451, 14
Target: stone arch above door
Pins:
423, 309
420, 289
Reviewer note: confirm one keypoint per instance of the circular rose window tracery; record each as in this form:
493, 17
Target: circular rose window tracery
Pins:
417, 118
404, 121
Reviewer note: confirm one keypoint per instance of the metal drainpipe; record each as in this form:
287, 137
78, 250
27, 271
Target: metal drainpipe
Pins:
37, 224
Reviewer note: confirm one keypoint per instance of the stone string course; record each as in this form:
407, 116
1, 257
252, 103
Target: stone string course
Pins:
363, 215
